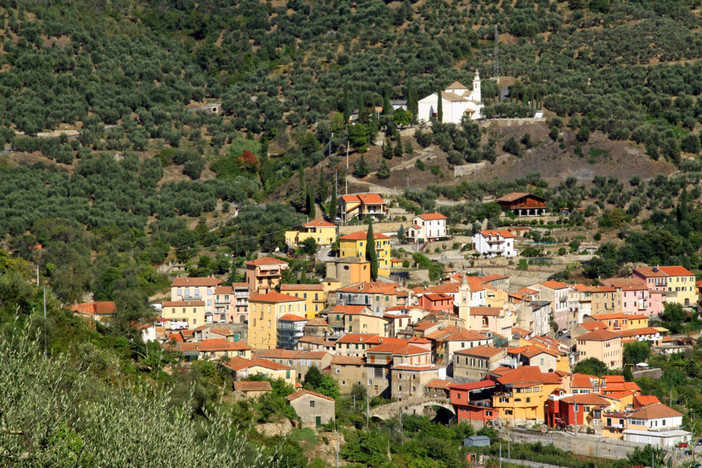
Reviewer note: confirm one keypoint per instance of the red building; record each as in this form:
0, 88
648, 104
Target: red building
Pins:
436, 302
562, 410
523, 204
472, 402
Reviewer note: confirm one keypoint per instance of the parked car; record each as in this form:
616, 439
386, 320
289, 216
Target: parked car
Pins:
682, 444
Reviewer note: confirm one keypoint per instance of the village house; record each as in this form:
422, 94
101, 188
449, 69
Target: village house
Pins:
100, 311
435, 302
356, 344
473, 364
457, 102
362, 205
224, 305
338, 317
196, 289
186, 314
522, 394
214, 349
252, 388
378, 296
348, 371
263, 274
473, 403
264, 312
447, 341
600, 344
314, 295
427, 227
242, 368
323, 233
584, 410
523, 204
354, 245
412, 359
620, 321
675, 282
534, 316
343, 272
290, 329
547, 360
495, 243
492, 319
314, 409
300, 361
635, 296
556, 293
366, 323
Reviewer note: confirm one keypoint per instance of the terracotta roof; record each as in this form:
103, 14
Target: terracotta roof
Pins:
437, 296
348, 309
601, 317
655, 411
581, 381
400, 349
368, 338
494, 233
432, 216
645, 400
363, 235
319, 223
676, 271
95, 308
481, 351
221, 331
342, 360
590, 326
426, 367
531, 351
317, 322
299, 393
214, 345
452, 97
627, 284
224, 290
526, 376
188, 281
492, 277
253, 386
586, 399
350, 198
416, 339
374, 288
370, 198
489, 311
475, 385
650, 272
183, 303
510, 197
265, 363
456, 85
275, 297
520, 332
638, 332
440, 383
292, 318
278, 353
554, 284
266, 261
599, 335
238, 363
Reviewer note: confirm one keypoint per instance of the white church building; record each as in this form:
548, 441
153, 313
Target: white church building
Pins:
456, 101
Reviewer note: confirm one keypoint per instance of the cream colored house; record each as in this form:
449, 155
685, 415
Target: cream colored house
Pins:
196, 289
189, 313
603, 345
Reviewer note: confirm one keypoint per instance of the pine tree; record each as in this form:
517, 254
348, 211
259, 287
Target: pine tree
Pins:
309, 201
371, 254
439, 108
412, 100
387, 149
361, 168
322, 187
384, 170
399, 150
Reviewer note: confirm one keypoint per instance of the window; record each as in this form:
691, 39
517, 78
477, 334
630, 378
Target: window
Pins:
311, 403
508, 412
378, 372
338, 371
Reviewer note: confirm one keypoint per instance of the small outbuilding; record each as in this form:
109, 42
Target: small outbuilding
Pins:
313, 408
476, 441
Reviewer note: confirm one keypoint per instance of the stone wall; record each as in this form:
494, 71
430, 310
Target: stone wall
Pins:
583, 444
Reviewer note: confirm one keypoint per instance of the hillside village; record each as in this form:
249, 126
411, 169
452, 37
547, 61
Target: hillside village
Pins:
498, 355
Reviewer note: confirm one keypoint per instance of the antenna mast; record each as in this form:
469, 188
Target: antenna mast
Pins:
496, 69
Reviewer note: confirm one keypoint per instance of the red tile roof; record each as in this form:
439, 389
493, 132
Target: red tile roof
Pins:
348, 309
676, 271
275, 297
342, 360
183, 303
554, 284
299, 393
195, 282
512, 196
589, 399
527, 376
440, 383
485, 311
239, 363
432, 216
655, 411
363, 235
374, 288
319, 223
370, 198
481, 351
495, 233
399, 349
599, 335
474, 385
266, 261
581, 381
645, 400
214, 345
292, 318
95, 308
224, 290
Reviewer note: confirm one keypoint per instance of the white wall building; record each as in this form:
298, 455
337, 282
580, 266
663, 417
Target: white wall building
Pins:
493, 243
456, 101
427, 227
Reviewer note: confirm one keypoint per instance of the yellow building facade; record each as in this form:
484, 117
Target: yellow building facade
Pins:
524, 394
323, 233
190, 312
354, 245
314, 295
264, 312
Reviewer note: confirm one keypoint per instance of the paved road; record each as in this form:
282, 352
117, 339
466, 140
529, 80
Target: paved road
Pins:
525, 462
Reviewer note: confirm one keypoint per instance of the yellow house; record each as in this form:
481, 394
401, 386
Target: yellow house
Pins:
191, 313
342, 272
245, 367
681, 285
314, 295
495, 297
523, 394
362, 323
354, 245
620, 321
264, 312
602, 344
323, 233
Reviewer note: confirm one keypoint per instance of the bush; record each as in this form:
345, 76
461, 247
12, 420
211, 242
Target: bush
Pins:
420, 165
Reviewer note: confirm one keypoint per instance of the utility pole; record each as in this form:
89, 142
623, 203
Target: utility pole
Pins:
500, 454
575, 411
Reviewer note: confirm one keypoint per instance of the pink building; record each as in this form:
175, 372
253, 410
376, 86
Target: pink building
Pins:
636, 296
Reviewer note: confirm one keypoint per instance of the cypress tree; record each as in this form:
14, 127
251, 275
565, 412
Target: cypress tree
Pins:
371, 254
439, 108
331, 209
412, 100
322, 187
